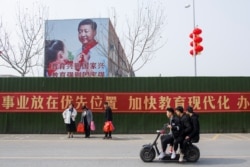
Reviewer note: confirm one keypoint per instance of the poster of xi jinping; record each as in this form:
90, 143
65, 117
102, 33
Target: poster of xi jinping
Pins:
76, 48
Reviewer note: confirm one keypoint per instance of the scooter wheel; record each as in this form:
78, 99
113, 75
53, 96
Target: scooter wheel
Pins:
192, 154
147, 154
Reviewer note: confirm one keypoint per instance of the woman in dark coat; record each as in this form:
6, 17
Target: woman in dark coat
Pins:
86, 119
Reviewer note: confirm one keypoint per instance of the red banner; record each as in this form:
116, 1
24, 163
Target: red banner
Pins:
125, 102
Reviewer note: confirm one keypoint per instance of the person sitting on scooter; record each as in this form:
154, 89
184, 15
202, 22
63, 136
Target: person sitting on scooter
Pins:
186, 129
194, 135
174, 127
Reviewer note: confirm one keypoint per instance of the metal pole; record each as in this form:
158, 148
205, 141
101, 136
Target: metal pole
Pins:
195, 70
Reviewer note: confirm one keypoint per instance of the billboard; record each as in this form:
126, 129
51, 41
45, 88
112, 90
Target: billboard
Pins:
76, 48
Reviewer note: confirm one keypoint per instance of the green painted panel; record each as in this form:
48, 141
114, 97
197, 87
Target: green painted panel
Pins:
125, 123
136, 84
50, 123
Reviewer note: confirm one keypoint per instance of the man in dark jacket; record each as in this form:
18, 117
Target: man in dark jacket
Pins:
194, 135
108, 116
186, 128
174, 129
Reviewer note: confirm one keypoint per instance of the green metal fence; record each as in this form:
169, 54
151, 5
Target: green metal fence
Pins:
124, 122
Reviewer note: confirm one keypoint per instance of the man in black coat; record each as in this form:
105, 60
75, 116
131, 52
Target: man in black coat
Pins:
186, 128
194, 135
108, 116
174, 129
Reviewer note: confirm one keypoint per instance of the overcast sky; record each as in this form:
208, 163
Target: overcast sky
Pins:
225, 25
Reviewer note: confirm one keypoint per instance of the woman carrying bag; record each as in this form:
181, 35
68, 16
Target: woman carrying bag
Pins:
87, 120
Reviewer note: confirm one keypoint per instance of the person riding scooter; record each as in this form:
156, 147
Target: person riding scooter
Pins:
186, 129
191, 153
194, 135
174, 127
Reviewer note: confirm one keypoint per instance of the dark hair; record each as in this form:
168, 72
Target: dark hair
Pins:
88, 22
84, 107
179, 108
106, 103
190, 109
170, 109
52, 47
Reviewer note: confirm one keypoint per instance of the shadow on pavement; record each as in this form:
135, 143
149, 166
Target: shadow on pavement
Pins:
114, 137
207, 161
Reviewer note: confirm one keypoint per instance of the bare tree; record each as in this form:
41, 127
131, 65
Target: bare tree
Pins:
23, 52
144, 34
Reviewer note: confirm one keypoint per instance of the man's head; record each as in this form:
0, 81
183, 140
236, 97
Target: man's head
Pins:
86, 31
190, 110
170, 112
179, 110
106, 104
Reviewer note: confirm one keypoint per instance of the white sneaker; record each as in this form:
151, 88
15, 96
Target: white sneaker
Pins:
169, 152
181, 157
173, 155
162, 155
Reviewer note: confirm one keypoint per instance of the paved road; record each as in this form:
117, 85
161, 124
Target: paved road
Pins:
122, 151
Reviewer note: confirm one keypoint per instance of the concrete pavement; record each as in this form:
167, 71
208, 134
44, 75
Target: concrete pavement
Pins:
34, 150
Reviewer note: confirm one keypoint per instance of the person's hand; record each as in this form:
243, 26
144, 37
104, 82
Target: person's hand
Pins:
85, 57
166, 125
78, 58
187, 137
77, 62
169, 126
81, 60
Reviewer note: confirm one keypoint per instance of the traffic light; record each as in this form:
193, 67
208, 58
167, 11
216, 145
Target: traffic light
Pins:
195, 43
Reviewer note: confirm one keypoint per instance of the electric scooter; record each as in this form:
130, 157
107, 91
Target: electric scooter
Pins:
149, 151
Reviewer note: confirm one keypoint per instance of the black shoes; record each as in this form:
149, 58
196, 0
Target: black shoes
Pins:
109, 137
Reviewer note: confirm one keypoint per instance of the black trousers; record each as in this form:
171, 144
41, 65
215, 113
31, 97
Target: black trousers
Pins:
165, 140
178, 140
185, 144
108, 134
87, 129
